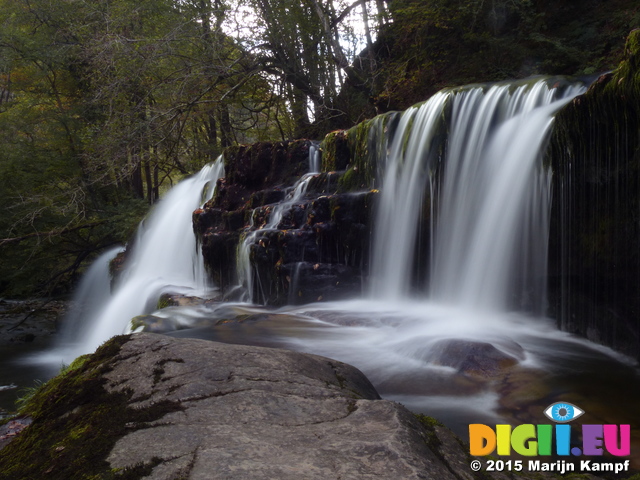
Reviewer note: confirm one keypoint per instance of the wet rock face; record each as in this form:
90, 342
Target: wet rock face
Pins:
595, 232
236, 412
318, 250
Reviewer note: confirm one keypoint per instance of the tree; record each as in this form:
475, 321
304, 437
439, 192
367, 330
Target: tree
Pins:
309, 48
105, 103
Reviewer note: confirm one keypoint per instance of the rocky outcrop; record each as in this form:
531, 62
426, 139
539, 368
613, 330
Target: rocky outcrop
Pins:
150, 406
595, 230
318, 250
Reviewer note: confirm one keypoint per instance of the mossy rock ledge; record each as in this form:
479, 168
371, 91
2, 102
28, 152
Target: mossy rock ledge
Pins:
151, 406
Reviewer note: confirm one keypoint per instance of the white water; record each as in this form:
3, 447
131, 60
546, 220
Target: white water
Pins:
407, 168
314, 158
489, 212
165, 257
92, 294
244, 268
492, 228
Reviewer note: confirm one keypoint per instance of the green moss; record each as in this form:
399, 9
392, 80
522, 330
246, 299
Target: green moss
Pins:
632, 46
163, 302
634, 477
432, 440
329, 151
76, 423
626, 78
356, 150
349, 181
427, 421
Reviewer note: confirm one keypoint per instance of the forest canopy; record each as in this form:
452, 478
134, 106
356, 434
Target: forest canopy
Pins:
104, 104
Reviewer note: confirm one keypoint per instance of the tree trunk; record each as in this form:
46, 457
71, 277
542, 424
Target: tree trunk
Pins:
226, 133
137, 186
149, 180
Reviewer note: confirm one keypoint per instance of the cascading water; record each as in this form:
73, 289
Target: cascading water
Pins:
405, 166
165, 257
314, 158
491, 232
293, 197
92, 294
493, 193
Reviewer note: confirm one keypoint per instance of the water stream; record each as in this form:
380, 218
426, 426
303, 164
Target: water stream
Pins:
164, 257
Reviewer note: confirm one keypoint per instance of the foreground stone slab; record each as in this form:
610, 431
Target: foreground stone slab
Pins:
252, 412
156, 407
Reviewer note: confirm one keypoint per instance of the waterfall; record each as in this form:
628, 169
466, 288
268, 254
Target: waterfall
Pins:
314, 158
459, 251
92, 294
165, 257
467, 161
246, 276
405, 165
487, 190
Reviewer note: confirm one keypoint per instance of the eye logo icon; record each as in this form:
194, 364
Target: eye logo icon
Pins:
563, 412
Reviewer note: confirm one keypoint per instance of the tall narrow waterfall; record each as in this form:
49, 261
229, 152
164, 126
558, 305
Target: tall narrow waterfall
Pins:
164, 257
487, 190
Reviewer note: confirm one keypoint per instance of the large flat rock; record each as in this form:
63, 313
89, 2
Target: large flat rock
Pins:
253, 413
155, 407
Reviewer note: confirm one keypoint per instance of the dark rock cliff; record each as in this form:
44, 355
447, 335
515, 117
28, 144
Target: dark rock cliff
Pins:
595, 236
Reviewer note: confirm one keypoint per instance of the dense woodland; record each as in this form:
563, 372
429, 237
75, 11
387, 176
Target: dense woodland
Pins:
104, 104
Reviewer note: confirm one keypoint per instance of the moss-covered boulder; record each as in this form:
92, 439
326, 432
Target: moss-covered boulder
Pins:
76, 421
595, 236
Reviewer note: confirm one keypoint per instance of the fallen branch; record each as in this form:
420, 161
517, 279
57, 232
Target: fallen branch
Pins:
26, 317
50, 233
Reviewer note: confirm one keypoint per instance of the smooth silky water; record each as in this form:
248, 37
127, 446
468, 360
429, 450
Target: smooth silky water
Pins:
484, 289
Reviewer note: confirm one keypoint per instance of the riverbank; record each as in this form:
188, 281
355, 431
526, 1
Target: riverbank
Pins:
30, 321
27, 328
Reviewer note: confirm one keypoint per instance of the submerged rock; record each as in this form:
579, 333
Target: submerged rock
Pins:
473, 358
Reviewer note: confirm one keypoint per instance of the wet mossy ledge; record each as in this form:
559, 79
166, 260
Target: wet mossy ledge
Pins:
595, 228
151, 406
